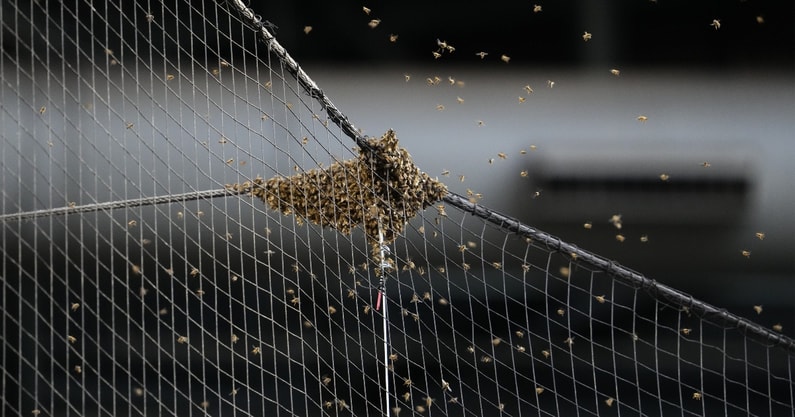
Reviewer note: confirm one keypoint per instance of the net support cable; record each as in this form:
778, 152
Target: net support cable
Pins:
659, 291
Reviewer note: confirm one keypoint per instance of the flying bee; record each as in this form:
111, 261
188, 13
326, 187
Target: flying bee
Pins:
71, 339
545, 353
758, 309
609, 401
75, 306
528, 89
481, 54
374, 23
620, 237
746, 253
615, 72
255, 350
505, 58
642, 118
760, 235
778, 327
536, 8
366, 10
586, 36
393, 38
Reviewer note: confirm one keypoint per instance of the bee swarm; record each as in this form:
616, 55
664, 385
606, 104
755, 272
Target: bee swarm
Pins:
381, 189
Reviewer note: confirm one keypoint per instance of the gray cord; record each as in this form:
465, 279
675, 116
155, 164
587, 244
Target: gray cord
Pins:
120, 204
659, 291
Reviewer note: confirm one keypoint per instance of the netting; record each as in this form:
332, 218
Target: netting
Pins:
190, 227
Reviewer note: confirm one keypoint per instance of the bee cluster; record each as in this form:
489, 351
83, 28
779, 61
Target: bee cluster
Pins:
381, 189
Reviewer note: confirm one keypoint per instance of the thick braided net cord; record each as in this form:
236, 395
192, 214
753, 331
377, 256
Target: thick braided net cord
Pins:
143, 273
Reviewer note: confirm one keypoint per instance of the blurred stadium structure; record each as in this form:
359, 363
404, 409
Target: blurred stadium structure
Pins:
222, 306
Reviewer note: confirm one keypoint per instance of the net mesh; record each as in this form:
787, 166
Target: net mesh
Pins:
143, 275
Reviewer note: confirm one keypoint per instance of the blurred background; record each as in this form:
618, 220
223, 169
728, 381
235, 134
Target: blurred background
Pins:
676, 115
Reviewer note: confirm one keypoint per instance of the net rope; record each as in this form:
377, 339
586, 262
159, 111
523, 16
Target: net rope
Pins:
138, 280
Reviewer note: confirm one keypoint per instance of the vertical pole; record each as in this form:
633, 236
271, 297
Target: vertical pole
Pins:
381, 300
